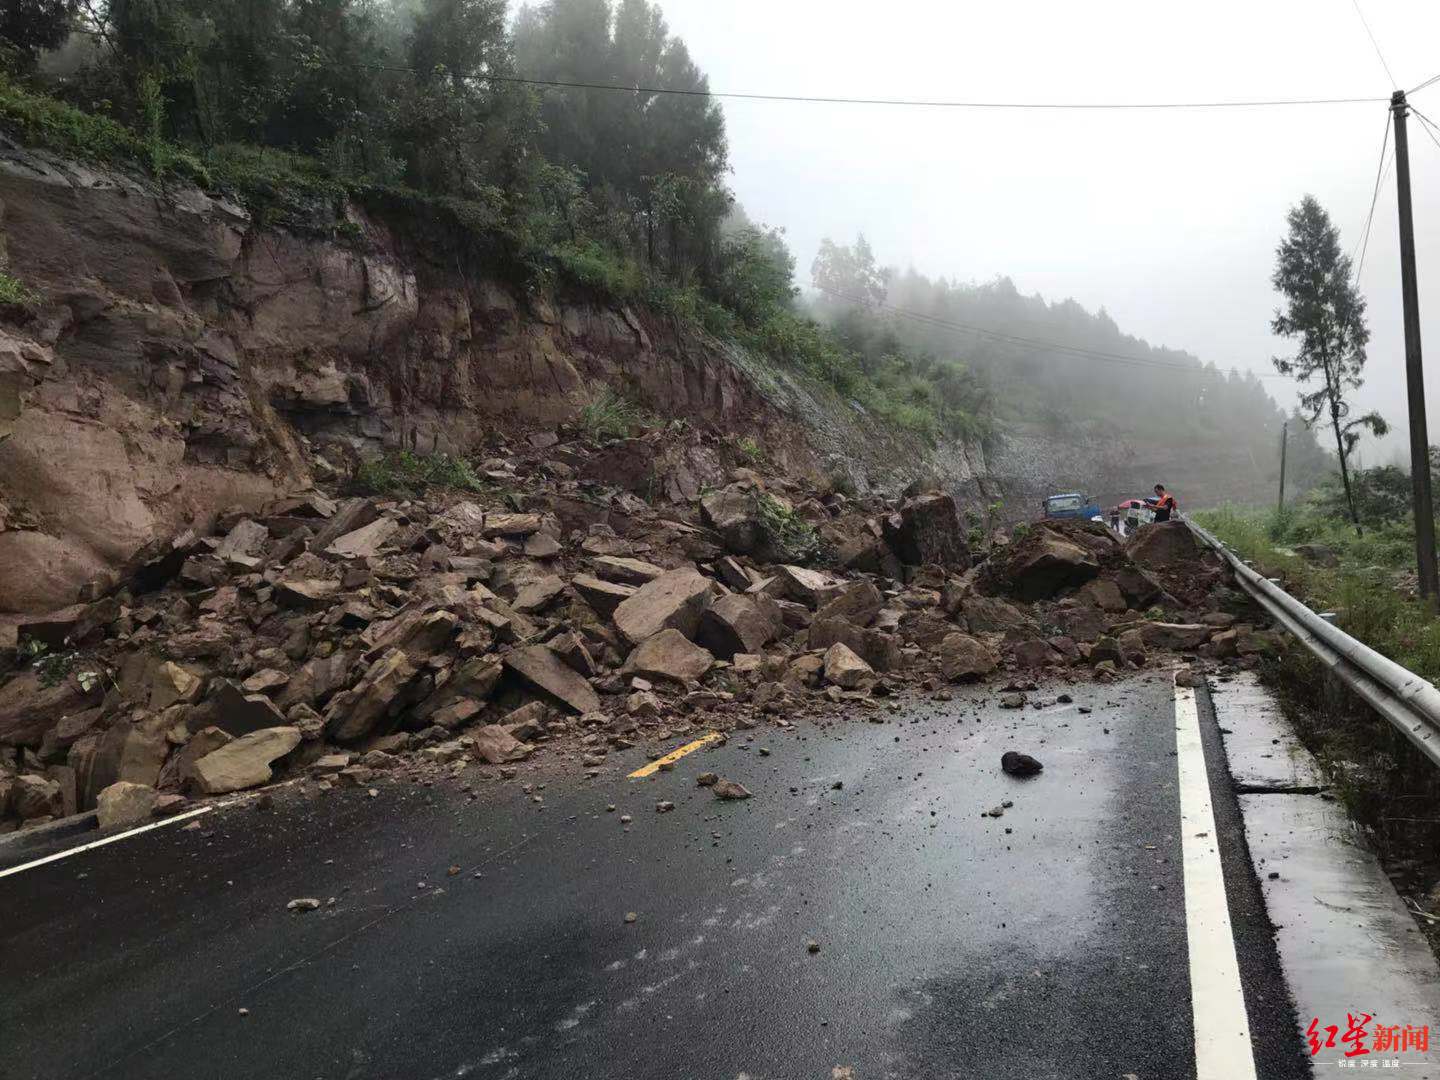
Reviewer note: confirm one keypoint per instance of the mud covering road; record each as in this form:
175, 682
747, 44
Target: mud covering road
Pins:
1050, 941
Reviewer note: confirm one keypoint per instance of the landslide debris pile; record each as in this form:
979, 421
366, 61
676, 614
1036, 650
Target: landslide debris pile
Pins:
345, 638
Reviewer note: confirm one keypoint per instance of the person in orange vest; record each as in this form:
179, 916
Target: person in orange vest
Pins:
1164, 503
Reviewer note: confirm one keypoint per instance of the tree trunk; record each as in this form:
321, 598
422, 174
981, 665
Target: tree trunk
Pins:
1345, 472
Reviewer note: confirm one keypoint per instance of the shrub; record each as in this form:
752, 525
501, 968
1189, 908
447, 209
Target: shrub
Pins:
612, 416
408, 474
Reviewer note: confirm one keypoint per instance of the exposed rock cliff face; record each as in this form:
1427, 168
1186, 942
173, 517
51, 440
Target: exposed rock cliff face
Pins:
182, 353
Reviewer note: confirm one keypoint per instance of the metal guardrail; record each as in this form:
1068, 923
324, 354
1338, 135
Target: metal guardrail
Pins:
1410, 703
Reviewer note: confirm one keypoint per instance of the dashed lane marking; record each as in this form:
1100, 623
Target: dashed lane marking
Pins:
674, 755
107, 840
1223, 1050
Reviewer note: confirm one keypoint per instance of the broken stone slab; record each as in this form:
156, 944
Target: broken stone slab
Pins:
539, 594
602, 596
846, 670
669, 655
572, 649
123, 804
496, 745
733, 574
265, 681
472, 682
238, 713
179, 770
674, 600
964, 658
315, 680
246, 540
173, 684
859, 603
806, 586
358, 711
306, 593
245, 762
366, 541
739, 624
545, 671
624, 571
730, 790
512, 524
350, 515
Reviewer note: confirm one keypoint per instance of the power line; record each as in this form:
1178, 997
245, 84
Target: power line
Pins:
933, 104
1374, 198
1427, 124
1016, 339
1433, 79
922, 103
1365, 23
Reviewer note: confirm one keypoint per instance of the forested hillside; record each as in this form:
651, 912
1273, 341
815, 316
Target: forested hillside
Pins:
449, 110
1055, 367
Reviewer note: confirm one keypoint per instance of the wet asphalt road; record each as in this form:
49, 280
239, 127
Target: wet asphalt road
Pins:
1049, 942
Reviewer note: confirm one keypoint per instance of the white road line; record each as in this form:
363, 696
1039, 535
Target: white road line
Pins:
101, 843
1222, 1030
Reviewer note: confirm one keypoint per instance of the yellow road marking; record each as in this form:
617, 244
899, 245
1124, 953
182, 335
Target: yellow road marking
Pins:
674, 755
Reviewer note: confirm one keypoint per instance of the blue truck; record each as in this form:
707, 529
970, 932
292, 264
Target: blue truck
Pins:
1071, 505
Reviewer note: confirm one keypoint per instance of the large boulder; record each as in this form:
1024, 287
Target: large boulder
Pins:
1044, 562
238, 713
859, 604
927, 529
123, 804
876, 647
1176, 637
964, 658
845, 669
546, 671
739, 624
1165, 545
735, 513
990, 614
496, 745
669, 655
244, 762
28, 708
36, 797
674, 600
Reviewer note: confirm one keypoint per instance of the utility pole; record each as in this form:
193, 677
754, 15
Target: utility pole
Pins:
1414, 368
1284, 441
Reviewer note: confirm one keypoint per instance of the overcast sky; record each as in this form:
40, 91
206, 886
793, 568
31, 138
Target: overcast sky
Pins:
1168, 219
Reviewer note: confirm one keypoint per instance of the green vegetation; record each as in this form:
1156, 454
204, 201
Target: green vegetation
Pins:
612, 416
411, 109
750, 451
407, 474
1325, 315
793, 533
14, 291
1387, 785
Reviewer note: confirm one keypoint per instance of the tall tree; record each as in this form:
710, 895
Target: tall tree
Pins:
29, 27
1325, 314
